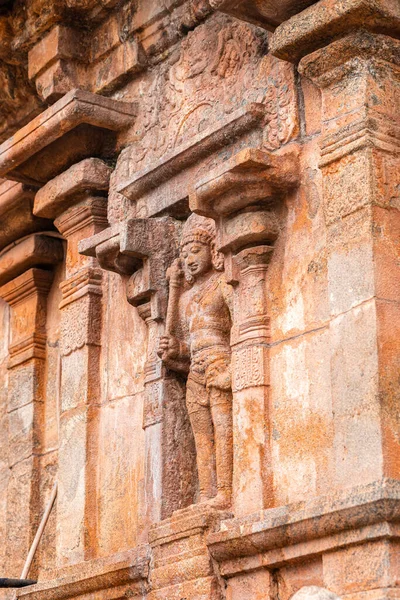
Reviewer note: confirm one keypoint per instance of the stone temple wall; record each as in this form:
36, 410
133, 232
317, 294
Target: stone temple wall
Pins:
200, 298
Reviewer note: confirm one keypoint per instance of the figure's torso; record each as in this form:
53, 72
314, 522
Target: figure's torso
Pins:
206, 315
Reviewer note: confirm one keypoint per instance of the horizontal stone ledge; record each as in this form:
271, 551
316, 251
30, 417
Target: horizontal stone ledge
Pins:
317, 518
264, 13
16, 217
231, 128
327, 20
128, 569
37, 250
70, 130
90, 176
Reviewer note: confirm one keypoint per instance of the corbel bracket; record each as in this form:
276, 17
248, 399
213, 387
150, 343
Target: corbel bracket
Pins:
248, 178
141, 249
244, 195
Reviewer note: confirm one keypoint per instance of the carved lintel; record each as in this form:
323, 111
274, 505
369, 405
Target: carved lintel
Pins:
35, 250
249, 177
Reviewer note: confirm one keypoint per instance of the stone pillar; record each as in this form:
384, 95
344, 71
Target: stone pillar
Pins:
25, 289
252, 477
244, 196
359, 76
74, 200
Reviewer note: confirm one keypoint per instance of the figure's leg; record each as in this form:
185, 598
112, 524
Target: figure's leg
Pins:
202, 427
221, 409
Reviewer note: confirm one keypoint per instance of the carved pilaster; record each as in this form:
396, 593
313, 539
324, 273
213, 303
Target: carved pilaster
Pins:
75, 201
245, 197
27, 297
359, 77
141, 250
25, 289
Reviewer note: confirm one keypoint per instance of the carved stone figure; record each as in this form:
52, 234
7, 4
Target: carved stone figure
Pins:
197, 343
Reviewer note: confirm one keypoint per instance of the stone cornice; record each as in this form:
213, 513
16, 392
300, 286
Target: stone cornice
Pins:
267, 13
321, 517
235, 125
351, 54
38, 152
33, 281
127, 571
328, 20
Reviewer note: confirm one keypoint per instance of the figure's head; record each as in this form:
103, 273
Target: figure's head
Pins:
198, 251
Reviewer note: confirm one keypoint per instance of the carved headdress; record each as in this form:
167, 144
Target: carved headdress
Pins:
202, 230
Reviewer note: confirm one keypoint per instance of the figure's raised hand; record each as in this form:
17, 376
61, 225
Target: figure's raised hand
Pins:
175, 272
168, 348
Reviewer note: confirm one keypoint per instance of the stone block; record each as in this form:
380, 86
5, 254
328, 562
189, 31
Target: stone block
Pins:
355, 396
300, 386
122, 460
249, 585
75, 475
125, 375
362, 568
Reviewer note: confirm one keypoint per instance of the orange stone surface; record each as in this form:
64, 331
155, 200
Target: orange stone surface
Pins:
200, 299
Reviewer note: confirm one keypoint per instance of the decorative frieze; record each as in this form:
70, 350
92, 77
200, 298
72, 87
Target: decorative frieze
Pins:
212, 139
